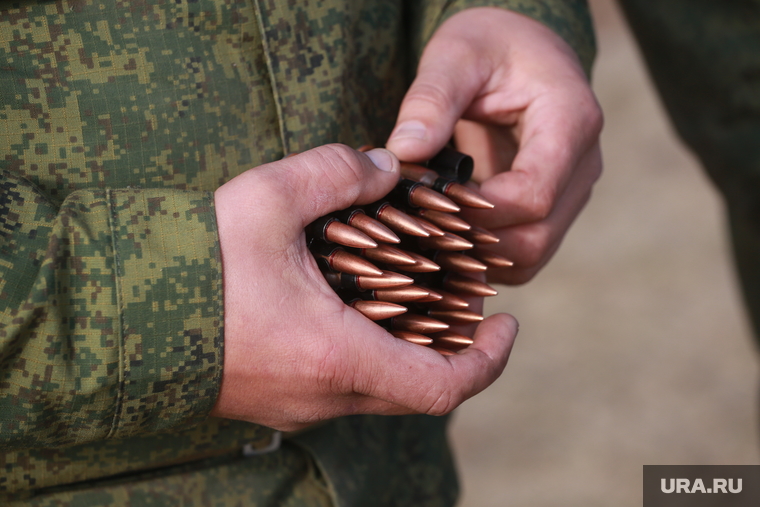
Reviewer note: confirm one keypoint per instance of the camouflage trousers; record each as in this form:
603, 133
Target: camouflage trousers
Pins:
704, 57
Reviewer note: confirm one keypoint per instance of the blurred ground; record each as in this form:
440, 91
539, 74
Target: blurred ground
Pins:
633, 347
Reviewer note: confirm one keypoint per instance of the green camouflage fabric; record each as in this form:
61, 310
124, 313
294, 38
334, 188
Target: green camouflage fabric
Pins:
704, 57
117, 122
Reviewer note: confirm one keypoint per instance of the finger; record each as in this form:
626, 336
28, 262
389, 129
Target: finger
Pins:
555, 135
436, 99
531, 246
423, 381
329, 178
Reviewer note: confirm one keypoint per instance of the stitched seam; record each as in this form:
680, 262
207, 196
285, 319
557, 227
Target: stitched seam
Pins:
113, 221
272, 78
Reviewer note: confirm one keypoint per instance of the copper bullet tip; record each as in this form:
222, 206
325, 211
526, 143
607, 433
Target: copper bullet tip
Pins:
467, 197
456, 316
426, 198
415, 338
377, 310
450, 339
478, 235
449, 301
466, 285
401, 222
388, 280
346, 235
444, 220
342, 261
432, 297
389, 255
455, 261
431, 228
448, 241
418, 324
373, 228
401, 295
421, 264
491, 259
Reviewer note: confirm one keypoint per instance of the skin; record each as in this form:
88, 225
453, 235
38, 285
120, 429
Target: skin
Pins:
524, 110
294, 353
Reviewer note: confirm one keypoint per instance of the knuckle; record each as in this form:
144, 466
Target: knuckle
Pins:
533, 247
443, 404
540, 204
595, 119
341, 162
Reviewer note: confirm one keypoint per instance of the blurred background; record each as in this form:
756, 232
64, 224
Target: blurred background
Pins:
633, 346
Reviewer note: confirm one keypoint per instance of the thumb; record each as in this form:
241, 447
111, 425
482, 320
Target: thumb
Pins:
329, 178
444, 88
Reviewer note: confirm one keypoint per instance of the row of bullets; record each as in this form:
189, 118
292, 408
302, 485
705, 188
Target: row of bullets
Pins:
404, 261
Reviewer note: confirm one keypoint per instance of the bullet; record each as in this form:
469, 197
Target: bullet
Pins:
340, 260
450, 339
416, 172
478, 235
332, 230
442, 351
412, 337
449, 301
396, 220
417, 324
401, 295
463, 284
388, 255
463, 195
358, 219
454, 261
457, 192
444, 220
491, 259
417, 195
421, 264
388, 280
377, 310
448, 241
432, 297
431, 228
455, 316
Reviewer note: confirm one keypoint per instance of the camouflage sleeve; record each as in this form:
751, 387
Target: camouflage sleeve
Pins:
570, 19
110, 313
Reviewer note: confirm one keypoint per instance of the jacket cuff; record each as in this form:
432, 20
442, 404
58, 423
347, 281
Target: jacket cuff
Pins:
169, 284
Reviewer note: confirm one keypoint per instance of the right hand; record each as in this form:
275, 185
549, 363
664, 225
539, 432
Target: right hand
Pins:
294, 354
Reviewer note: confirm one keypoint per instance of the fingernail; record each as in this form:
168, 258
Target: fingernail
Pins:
411, 129
381, 158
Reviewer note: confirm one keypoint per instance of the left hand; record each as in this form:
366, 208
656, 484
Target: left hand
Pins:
514, 96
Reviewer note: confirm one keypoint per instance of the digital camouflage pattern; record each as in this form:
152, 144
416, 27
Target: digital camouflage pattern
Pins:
117, 122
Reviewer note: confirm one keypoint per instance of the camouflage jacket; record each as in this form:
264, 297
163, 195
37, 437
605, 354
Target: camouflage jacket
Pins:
117, 122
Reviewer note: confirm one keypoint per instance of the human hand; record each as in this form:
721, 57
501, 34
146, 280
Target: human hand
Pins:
515, 97
295, 354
